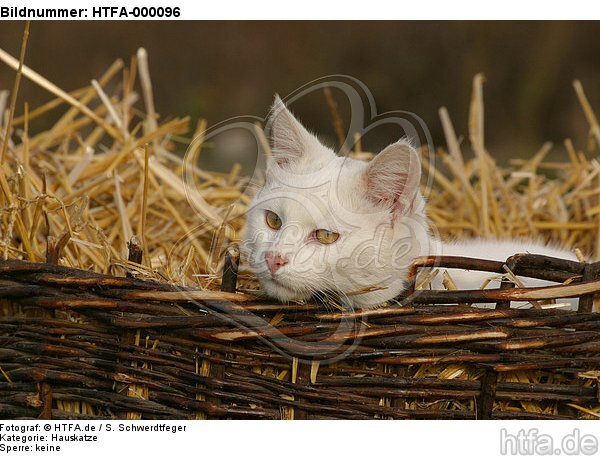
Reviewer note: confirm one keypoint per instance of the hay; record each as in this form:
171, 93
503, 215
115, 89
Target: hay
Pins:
107, 175
106, 172
556, 201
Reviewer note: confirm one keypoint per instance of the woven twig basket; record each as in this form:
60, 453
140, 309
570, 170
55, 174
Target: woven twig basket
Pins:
76, 344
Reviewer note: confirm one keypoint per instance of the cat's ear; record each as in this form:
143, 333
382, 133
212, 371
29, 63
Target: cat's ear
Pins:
392, 177
290, 141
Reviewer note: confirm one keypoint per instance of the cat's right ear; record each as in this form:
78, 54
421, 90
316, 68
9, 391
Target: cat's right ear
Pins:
290, 141
392, 177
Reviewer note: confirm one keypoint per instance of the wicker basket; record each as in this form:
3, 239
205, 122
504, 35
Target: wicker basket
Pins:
76, 344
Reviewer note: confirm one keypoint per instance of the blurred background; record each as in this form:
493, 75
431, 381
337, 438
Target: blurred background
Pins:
218, 70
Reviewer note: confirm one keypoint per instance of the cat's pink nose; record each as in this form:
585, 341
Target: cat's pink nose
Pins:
274, 262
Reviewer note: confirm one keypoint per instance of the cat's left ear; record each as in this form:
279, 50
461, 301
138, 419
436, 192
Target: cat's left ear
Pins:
392, 177
291, 142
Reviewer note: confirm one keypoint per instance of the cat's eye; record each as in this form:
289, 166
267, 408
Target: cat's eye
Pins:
326, 236
273, 220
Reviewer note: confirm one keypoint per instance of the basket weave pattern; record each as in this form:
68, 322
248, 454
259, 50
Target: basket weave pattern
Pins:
76, 344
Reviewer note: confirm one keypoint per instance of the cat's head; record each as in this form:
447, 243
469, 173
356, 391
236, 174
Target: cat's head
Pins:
328, 223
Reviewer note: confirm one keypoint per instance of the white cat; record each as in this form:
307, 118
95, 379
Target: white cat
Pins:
328, 223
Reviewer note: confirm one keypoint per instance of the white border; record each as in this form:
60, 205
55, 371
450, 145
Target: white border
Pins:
348, 438
349, 9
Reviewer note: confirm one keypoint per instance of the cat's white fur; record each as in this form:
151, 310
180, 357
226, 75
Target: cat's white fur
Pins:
499, 250
377, 209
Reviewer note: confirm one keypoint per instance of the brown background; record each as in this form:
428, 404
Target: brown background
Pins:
222, 69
